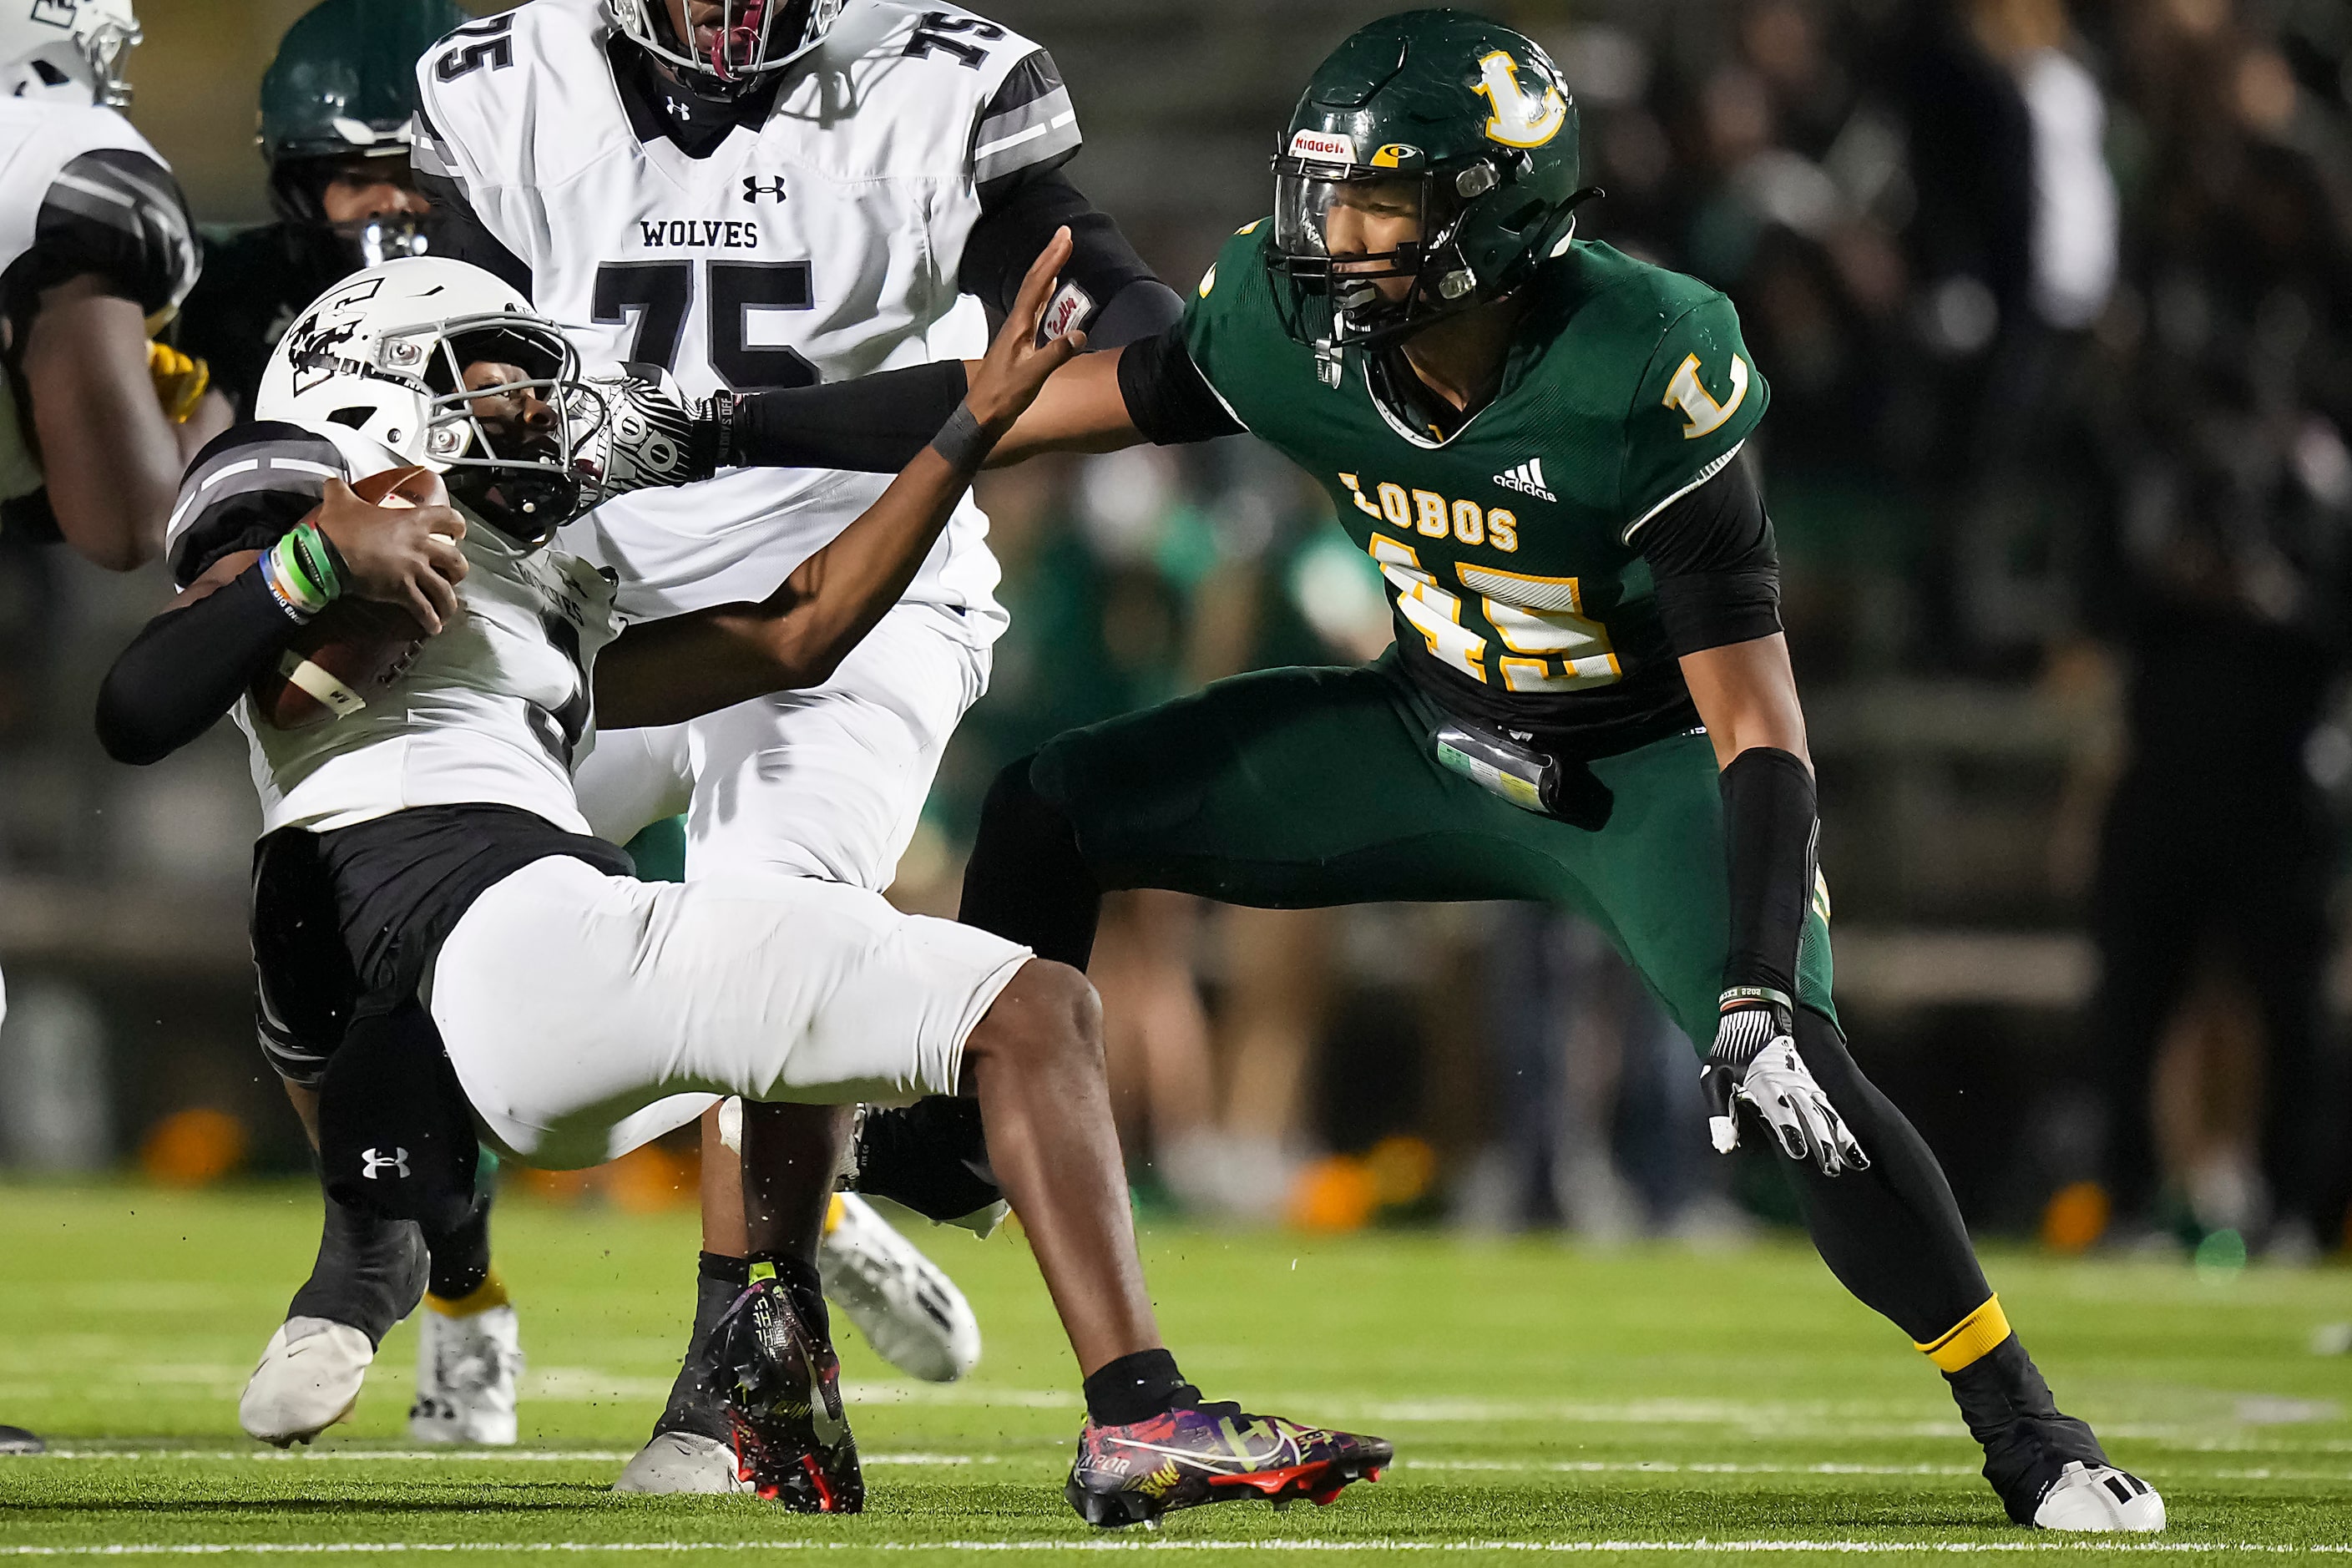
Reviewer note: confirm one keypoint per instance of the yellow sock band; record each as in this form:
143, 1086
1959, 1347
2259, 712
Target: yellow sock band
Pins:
492, 1292
1969, 1340
832, 1213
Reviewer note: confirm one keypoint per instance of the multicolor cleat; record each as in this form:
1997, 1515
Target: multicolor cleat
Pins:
783, 1400
1213, 1453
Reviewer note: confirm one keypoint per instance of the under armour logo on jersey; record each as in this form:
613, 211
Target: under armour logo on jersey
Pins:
755, 188
397, 1161
1527, 480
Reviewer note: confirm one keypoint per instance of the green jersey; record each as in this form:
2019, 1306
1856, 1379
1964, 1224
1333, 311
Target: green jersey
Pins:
1511, 546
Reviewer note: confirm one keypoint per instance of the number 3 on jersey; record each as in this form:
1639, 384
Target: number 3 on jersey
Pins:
655, 298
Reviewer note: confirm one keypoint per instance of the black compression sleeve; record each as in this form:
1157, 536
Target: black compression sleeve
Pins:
1167, 397
1011, 230
187, 667
873, 424
1711, 555
1769, 826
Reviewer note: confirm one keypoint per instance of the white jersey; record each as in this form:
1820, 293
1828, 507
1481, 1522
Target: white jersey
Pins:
820, 244
494, 711
87, 186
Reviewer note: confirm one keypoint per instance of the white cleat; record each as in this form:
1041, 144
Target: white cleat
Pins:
309, 1379
466, 1372
2099, 1498
682, 1462
909, 1312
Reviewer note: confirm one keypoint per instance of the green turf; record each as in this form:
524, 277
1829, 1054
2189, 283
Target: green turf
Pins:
1540, 1397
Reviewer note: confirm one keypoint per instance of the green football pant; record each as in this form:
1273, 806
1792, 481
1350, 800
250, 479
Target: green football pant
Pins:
1300, 788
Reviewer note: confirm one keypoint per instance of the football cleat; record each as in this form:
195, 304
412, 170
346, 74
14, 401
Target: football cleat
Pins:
909, 1312
1212, 1453
466, 1372
2098, 1498
17, 1440
308, 1378
682, 1462
783, 1400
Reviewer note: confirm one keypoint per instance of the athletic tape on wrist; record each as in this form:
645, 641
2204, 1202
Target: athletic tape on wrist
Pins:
963, 442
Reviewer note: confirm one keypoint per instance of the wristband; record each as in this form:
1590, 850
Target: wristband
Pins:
1739, 997
290, 580
266, 567
714, 435
320, 559
963, 442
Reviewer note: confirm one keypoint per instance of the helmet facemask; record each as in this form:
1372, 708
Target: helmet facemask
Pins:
298, 191
752, 38
515, 473
1338, 298
107, 44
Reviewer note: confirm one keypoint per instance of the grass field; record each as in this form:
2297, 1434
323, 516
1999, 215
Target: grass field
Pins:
1631, 1405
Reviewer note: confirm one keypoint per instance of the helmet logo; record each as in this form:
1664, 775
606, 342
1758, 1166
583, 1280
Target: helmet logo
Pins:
55, 12
1394, 154
1520, 119
1323, 147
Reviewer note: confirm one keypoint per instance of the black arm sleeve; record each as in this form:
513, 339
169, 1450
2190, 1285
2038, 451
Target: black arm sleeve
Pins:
873, 424
1712, 556
187, 667
1769, 832
459, 231
114, 214
1130, 301
1168, 398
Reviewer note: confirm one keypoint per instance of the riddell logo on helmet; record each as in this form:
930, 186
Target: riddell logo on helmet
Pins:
1322, 147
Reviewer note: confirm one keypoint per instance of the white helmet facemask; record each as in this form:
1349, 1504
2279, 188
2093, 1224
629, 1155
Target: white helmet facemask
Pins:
447, 368
751, 39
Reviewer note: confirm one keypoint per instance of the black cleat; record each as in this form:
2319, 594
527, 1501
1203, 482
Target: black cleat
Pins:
1212, 1453
783, 1402
17, 1440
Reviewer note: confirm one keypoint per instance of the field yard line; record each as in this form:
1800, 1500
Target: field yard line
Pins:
434, 1455
1579, 1548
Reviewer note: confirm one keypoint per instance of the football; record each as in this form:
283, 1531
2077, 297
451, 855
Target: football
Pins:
356, 648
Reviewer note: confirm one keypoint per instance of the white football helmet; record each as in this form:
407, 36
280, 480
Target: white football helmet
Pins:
73, 50
753, 37
386, 352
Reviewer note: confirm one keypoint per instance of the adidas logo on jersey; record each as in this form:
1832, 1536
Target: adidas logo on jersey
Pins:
1527, 480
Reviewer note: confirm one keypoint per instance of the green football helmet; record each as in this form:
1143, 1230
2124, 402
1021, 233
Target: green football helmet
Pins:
1441, 111
343, 87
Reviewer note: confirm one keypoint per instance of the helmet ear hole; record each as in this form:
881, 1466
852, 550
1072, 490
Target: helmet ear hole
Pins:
353, 418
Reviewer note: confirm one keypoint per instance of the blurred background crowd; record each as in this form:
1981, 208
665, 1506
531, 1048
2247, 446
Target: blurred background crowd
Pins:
2056, 303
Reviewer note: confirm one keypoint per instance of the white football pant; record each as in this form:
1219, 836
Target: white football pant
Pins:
586, 1014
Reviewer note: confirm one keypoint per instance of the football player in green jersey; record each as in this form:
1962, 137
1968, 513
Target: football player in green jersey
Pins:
1589, 701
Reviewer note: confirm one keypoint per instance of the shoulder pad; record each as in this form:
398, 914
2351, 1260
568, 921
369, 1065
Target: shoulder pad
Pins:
118, 213
521, 98
247, 490
1699, 397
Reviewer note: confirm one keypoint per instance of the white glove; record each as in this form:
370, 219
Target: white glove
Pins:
1754, 1058
637, 432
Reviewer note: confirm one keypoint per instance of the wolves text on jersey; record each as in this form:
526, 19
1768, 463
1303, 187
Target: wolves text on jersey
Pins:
700, 234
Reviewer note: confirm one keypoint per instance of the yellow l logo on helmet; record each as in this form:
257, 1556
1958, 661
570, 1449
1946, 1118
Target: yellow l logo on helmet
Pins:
1520, 119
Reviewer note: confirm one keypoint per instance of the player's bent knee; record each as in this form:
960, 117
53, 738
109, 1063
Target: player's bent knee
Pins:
1047, 1010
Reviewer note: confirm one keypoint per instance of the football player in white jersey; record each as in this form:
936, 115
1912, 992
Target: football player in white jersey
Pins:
509, 980
96, 254
759, 197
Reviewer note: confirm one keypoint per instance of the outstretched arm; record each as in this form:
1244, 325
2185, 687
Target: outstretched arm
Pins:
670, 670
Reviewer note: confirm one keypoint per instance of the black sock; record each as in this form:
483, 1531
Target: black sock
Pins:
2027, 1439
1136, 1388
798, 1277
1891, 1234
461, 1257
369, 1272
698, 1399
